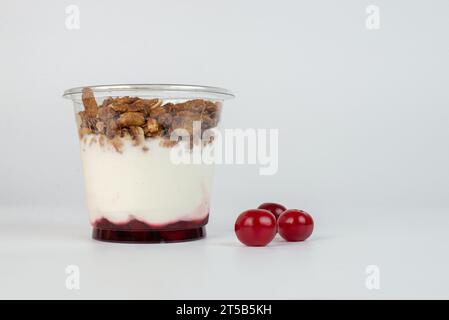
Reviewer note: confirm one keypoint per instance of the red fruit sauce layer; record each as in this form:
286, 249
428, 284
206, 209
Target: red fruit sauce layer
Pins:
138, 231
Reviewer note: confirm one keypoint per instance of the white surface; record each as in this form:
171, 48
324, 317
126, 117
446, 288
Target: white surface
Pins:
411, 253
363, 123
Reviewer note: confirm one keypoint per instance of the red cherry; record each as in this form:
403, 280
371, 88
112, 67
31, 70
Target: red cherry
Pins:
295, 225
255, 227
274, 208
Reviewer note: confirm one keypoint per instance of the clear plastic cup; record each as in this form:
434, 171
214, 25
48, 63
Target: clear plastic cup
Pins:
137, 142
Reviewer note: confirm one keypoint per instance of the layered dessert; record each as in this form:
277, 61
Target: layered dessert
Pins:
135, 191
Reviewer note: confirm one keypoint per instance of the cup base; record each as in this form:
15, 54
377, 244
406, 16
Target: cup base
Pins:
147, 236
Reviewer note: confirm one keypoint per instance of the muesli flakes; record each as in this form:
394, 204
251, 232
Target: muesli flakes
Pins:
120, 118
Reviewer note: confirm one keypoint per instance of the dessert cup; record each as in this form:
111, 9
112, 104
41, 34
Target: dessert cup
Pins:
137, 147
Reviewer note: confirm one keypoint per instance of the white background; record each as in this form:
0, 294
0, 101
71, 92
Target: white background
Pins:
363, 119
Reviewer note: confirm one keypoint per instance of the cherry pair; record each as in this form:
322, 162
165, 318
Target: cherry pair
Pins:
257, 227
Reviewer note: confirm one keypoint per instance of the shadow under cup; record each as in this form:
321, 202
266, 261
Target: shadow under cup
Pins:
143, 149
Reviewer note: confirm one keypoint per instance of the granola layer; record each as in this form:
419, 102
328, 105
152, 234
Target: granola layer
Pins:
141, 119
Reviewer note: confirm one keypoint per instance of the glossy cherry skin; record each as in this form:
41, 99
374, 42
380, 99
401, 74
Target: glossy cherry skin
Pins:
274, 208
255, 227
295, 225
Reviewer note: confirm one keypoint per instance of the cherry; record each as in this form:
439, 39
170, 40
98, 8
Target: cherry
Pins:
295, 225
255, 227
274, 208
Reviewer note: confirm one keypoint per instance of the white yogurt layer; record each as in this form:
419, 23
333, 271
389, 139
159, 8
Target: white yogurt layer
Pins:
143, 185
